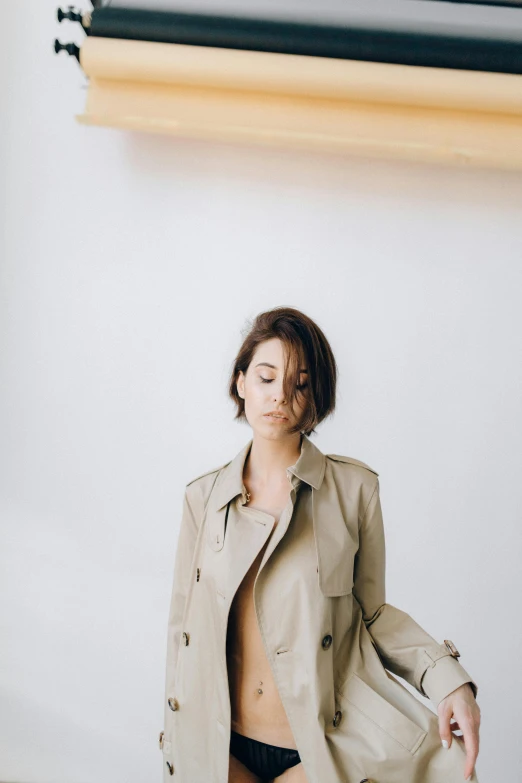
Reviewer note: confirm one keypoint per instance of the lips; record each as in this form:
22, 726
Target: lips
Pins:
276, 416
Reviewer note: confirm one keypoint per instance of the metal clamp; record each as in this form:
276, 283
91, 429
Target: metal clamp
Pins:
71, 48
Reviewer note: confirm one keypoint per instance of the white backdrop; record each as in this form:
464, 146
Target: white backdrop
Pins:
130, 263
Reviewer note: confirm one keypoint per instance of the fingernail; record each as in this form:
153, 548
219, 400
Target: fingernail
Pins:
445, 744
468, 778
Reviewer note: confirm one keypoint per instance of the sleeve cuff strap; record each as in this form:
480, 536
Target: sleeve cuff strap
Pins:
443, 677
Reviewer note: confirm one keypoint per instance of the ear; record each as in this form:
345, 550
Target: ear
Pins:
240, 384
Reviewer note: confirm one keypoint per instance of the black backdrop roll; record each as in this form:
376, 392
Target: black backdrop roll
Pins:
469, 49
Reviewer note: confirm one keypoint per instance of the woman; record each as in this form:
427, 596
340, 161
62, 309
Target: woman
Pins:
282, 650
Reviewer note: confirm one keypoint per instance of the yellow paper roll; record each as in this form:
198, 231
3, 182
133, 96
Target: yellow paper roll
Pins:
431, 114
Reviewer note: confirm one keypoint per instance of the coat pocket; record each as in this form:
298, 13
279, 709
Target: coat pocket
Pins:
382, 713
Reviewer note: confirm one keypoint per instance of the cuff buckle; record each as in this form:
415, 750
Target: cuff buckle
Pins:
451, 647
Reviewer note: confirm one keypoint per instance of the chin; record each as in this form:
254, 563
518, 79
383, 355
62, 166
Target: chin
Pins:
275, 431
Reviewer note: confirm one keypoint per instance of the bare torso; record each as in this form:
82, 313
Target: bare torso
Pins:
257, 709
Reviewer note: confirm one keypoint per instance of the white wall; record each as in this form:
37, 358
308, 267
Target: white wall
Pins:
130, 263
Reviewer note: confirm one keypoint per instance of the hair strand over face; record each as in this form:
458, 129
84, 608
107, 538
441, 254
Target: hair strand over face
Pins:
303, 341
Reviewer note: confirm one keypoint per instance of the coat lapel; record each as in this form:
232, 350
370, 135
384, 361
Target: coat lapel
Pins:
336, 541
229, 485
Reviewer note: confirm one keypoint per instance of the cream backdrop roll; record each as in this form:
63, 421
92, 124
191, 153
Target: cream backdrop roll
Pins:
380, 109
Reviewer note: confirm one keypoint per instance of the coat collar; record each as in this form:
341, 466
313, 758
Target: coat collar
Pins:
310, 468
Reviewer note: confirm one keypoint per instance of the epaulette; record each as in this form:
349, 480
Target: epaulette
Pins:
207, 473
352, 460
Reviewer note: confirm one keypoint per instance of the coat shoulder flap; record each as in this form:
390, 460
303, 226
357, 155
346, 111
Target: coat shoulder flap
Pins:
352, 461
336, 505
206, 473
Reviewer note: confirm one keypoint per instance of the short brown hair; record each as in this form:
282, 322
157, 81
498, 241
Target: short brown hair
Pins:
303, 339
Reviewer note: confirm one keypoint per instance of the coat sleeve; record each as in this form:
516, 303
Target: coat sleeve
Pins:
405, 648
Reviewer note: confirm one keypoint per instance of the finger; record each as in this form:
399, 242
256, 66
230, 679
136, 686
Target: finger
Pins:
471, 743
444, 727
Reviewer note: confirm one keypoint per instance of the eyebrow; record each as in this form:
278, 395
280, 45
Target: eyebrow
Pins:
267, 364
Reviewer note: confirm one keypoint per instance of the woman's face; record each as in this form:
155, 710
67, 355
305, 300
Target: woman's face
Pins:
262, 390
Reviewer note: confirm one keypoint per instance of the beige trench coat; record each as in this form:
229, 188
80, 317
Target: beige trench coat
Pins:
333, 643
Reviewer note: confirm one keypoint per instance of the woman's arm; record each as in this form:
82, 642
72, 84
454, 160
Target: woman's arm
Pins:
404, 646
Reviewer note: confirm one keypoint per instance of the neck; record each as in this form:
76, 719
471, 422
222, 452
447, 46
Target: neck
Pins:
268, 460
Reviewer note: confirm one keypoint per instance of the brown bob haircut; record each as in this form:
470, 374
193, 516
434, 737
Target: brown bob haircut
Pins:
303, 341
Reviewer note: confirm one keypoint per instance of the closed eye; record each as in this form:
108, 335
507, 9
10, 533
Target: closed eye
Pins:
269, 380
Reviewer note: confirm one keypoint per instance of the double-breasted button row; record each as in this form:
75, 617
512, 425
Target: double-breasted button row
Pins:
173, 704
327, 641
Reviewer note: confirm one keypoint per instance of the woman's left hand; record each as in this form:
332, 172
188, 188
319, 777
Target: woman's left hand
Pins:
461, 705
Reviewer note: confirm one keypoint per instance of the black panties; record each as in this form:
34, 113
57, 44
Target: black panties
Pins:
265, 761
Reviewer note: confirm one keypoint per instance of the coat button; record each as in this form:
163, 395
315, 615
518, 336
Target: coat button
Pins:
327, 642
186, 638
162, 734
173, 704
171, 767
337, 718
